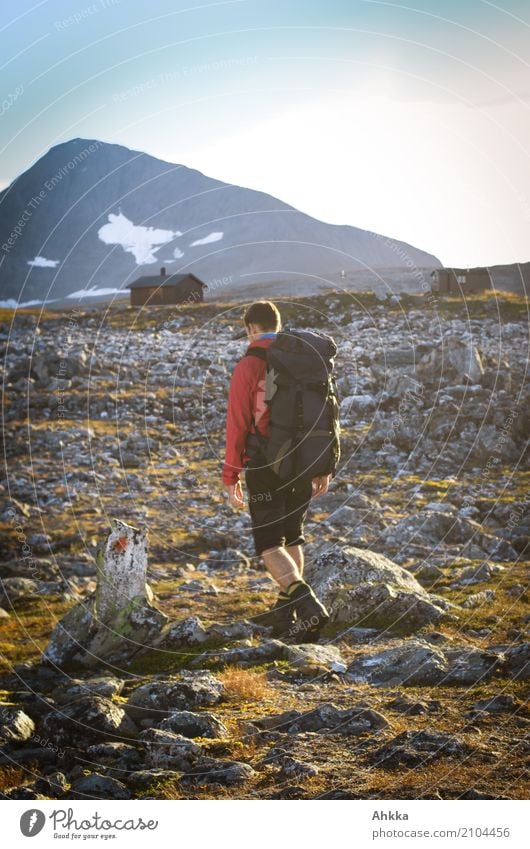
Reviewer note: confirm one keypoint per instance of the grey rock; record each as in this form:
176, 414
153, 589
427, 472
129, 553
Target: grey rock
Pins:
410, 664
106, 686
229, 558
479, 599
326, 717
87, 721
190, 724
13, 590
188, 632
289, 767
500, 703
97, 786
210, 771
470, 666
166, 750
415, 748
159, 698
54, 784
369, 589
15, 725
245, 655
478, 574
145, 779
419, 663
313, 654
517, 662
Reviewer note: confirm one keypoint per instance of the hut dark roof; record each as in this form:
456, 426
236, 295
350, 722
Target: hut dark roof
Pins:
156, 280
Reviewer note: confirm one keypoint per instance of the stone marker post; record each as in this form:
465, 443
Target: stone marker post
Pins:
120, 619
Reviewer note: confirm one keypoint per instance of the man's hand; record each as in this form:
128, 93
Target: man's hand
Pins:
235, 495
320, 485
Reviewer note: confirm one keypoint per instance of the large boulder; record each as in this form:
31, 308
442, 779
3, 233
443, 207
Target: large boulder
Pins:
192, 724
417, 663
416, 748
160, 698
326, 717
363, 587
433, 527
166, 750
86, 721
15, 726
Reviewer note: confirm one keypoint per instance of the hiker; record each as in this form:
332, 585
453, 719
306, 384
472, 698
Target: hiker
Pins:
277, 506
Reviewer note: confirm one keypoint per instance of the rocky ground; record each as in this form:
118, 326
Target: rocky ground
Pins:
418, 688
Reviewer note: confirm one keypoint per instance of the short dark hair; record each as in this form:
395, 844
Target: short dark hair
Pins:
265, 314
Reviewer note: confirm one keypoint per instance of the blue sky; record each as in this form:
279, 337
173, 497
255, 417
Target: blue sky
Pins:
409, 120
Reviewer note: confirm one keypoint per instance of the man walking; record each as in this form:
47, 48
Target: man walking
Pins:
277, 507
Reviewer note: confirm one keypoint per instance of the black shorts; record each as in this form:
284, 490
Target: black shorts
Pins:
277, 509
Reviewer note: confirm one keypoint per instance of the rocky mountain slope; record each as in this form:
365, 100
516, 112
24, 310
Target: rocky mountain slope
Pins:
418, 687
94, 215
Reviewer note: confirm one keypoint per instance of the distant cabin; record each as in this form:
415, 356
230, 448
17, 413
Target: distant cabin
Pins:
457, 281
167, 289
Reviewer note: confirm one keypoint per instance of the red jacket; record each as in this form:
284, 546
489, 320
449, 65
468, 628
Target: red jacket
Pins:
246, 397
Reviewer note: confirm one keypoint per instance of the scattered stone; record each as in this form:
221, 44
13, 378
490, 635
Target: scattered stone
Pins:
500, 703
188, 632
159, 698
145, 779
313, 654
479, 574
100, 686
189, 724
87, 721
289, 767
96, 786
479, 599
54, 784
411, 707
470, 666
211, 771
517, 662
415, 748
326, 717
413, 663
245, 655
15, 726
166, 750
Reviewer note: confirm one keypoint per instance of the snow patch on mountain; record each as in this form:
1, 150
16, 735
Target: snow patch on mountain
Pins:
141, 242
90, 293
211, 237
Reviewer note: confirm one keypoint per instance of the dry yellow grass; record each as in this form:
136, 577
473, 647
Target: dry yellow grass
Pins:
245, 684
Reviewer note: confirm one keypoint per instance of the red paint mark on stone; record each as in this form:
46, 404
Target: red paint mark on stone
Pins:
121, 543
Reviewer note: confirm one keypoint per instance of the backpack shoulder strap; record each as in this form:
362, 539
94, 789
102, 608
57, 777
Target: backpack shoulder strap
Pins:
260, 353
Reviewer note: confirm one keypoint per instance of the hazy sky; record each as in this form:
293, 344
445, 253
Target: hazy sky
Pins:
409, 120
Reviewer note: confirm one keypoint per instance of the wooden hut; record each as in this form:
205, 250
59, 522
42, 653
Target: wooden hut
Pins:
166, 289
456, 281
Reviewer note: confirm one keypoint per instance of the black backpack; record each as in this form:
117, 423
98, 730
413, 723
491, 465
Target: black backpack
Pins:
302, 396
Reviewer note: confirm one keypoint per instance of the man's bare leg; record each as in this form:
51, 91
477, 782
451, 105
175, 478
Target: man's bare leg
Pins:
297, 553
281, 565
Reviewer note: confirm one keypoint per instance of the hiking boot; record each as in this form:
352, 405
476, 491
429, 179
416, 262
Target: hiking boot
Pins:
311, 615
280, 618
